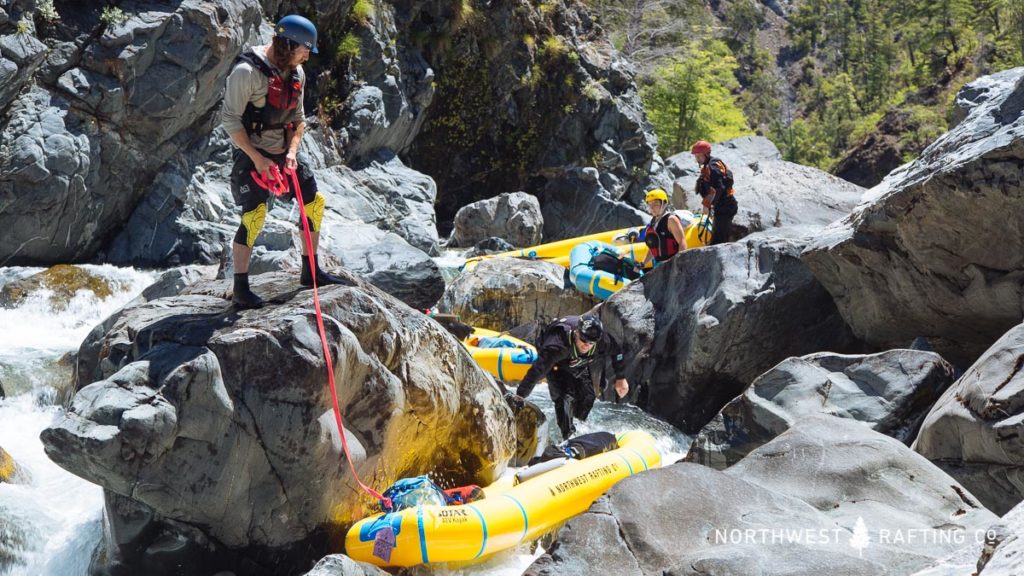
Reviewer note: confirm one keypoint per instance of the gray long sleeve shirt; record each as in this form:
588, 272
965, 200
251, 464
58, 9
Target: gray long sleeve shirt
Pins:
246, 84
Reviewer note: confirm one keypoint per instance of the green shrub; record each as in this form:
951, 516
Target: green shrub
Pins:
362, 11
112, 16
348, 48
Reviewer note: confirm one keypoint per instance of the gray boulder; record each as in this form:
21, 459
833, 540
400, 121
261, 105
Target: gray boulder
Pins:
827, 496
771, 192
404, 197
20, 57
76, 158
172, 282
190, 391
500, 293
891, 392
577, 202
1004, 550
395, 85
387, 261
513, 113
930, 228
514, 217
187, 216
704, 325
973, 431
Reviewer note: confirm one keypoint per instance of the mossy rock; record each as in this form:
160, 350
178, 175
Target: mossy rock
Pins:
7, 467
63, 279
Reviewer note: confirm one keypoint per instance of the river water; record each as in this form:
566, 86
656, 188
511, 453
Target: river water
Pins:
51, 521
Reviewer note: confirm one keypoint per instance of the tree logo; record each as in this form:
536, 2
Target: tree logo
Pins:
860, 538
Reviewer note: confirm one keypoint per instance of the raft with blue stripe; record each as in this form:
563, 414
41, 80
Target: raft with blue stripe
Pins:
509, 514
598, 282
558, 251
506, 358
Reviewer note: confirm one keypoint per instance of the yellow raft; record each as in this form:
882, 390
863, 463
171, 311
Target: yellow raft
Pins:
507, 516
560, 249
506, 358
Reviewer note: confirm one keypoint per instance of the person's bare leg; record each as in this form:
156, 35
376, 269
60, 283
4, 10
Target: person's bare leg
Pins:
240, 254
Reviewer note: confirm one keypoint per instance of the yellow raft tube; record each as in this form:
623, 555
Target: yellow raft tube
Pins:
560, 249
507, 516
506, 358
697, 234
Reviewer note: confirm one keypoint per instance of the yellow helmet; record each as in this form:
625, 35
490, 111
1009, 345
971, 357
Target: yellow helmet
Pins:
656, 194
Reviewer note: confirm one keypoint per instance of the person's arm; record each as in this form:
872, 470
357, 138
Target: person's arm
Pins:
675, 227
618, 366
236, 97
298, 122
292, 156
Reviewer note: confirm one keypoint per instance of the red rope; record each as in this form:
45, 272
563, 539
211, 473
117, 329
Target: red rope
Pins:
323, 336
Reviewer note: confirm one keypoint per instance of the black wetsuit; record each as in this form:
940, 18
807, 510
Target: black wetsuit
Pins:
716, 180
568, 372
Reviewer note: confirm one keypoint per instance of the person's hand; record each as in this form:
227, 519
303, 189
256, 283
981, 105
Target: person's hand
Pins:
621, 387
514, 401
262, 165
291, 161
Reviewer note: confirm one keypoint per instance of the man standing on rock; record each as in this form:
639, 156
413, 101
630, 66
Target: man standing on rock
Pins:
714, 186
565, 349
264, 116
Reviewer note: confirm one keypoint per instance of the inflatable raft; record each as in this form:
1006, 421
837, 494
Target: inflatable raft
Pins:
598, 282
559, 251
698, 228
508, 515
505, 357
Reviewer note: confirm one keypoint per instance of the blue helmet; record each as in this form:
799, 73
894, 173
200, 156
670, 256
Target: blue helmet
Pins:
298, 30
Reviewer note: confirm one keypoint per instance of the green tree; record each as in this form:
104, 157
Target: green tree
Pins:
691, 98
798, 143
742, 22
762, 99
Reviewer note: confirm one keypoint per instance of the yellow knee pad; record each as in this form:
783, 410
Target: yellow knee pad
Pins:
315, 211
252, 223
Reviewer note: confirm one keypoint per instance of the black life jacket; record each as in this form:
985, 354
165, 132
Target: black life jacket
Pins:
282, 97
659, 238
608, 260
704, 180
564, 327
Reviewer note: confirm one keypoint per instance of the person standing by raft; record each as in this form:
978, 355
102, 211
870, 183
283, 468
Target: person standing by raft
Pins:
664, 235
714, 186
565, 350
264, 116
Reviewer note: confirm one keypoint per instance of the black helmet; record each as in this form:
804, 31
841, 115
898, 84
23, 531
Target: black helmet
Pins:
591, 328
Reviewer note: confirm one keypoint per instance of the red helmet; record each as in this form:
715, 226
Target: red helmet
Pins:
701, 147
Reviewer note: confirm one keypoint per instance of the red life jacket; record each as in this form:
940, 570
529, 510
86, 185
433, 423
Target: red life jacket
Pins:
659, 238
282, 97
